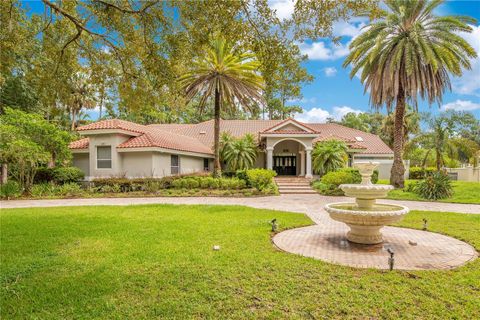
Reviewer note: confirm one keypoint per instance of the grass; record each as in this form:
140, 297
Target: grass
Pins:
464, 192
157, 261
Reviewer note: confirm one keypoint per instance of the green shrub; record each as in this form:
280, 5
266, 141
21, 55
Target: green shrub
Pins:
69, 189
435, 186
208, 183
43, 190
9, 190
330, 182
418, 173
260, 178
63, 175
43, 175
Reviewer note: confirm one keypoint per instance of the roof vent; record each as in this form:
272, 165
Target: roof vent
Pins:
203, 132
359, 138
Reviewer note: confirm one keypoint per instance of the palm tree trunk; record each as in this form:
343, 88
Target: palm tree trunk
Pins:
217, 170
439, 159
73, 119
398, 170
4, 173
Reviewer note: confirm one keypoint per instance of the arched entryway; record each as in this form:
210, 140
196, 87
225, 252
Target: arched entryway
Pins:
289, 157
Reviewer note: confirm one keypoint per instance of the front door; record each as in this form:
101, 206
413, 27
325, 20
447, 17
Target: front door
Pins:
285, 165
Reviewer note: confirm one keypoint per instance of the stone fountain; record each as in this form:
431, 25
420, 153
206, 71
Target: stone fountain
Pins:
365, 217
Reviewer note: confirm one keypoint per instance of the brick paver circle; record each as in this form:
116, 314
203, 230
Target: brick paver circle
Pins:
414, 249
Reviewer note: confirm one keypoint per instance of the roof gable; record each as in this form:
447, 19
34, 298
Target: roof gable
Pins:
290, 126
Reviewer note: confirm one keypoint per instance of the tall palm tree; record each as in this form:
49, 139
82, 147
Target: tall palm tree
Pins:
230, 77
238, 153
441, 139
411, 126
329, 156
406, 52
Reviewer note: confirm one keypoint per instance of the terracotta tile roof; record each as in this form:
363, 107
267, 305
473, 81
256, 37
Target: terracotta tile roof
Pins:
333, 137
199, 137
203, 131
356, 146
168, 140
270, 129
288, 132
372, 143
79, 144
114, 124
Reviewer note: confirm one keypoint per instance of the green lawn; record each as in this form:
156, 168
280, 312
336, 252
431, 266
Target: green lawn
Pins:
157, 261
464, 192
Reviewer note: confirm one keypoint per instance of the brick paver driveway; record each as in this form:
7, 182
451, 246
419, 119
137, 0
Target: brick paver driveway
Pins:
310, 204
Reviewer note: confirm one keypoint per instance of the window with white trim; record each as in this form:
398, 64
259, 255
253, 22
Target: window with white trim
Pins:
104, 157
174, 164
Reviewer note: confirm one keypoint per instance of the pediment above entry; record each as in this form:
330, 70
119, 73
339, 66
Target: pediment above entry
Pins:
289, 127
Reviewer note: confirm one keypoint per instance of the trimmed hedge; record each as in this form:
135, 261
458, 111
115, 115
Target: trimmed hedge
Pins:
417, 173
261, 179
330, 182
59, 175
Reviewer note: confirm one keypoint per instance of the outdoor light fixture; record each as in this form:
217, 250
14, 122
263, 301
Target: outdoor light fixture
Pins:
274, 225
391, 260
424, 224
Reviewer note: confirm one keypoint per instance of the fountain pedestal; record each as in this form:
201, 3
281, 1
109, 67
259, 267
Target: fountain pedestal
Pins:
365, 217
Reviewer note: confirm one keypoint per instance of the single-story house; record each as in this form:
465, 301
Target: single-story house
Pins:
122, 148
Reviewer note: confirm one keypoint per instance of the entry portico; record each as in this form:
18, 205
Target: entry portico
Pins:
287, 144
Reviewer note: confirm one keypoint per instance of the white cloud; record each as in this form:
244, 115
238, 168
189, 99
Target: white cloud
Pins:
343, 28
320, 51
330, 71
461, 105
283, 8
320, 115
339, 112
469, 82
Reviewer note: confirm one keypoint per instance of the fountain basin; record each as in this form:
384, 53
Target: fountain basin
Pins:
365, 223
366, 194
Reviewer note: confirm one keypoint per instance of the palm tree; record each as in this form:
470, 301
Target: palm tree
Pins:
329, 156
406, 52
231, 78
441, 139
239, 153
411, 125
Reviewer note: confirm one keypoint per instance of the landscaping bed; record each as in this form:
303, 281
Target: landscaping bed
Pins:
244, 183
463, 192
156, 261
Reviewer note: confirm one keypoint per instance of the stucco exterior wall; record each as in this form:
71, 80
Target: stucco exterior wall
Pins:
190, 164
306, 141
260, 161
137, 164
465, 174
82, 161
289, 147
112, 140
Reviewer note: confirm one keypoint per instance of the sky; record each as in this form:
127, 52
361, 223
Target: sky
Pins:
333, 93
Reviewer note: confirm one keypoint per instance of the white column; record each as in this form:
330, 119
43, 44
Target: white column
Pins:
302, 163
308, 173
269, 158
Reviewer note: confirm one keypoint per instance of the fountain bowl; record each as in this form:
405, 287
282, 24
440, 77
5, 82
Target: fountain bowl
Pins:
365, 217
365, 224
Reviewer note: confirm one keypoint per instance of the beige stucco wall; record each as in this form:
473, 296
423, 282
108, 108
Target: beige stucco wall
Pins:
137, 164
306, 141
189, 164
112, 140
466, 174
82, 161
260, 161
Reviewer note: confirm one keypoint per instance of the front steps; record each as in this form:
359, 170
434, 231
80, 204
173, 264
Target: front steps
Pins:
294, 185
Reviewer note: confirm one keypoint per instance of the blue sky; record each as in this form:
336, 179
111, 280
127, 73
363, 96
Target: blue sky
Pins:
333, 93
